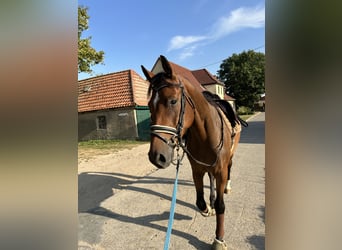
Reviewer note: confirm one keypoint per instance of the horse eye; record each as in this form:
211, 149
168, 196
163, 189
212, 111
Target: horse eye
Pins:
173, 101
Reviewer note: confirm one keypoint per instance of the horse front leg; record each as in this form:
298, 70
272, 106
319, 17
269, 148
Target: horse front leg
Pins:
212, 190
220, 208
228, 187
198, 181
205, 209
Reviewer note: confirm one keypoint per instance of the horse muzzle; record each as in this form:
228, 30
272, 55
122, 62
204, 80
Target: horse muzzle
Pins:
161, 149
161, 159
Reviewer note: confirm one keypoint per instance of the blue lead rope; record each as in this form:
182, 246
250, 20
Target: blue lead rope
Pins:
172, 211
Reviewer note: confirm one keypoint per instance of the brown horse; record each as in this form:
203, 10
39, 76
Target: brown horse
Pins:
182, 116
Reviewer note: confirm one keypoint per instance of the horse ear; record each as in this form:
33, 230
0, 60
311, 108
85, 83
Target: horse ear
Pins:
166, 66
148, 74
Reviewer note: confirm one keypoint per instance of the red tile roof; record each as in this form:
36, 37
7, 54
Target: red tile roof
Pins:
205, 78
198, 78
184, 72
120, 89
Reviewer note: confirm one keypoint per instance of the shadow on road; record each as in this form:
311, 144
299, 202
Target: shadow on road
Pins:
262, 216
148, 220
95, 187
258, 241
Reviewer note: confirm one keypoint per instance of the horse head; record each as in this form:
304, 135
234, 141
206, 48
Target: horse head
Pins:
170, 116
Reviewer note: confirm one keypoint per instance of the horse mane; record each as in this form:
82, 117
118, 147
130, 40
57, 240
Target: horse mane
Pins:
227, 109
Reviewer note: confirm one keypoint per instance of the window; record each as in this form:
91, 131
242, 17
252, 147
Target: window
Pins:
101, 122
219, 90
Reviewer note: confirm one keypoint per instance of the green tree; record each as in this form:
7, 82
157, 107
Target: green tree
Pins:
244, 77
87, 55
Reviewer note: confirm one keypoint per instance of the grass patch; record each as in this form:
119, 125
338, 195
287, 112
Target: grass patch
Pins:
245, 117
104, 144
92, 148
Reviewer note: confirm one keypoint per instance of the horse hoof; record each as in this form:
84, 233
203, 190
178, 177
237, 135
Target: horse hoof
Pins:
210, 212
219, 245
227, 190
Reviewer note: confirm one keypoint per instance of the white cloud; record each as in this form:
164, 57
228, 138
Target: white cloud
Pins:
178, 42
187, 52
237, 19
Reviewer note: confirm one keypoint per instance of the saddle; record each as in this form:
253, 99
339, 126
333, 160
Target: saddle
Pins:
226, 108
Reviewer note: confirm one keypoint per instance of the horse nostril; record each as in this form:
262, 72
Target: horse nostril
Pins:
162, 158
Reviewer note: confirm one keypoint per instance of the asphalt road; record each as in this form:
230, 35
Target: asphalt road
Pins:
136, 216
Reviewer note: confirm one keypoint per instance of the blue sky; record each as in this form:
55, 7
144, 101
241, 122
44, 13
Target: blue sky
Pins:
193, 33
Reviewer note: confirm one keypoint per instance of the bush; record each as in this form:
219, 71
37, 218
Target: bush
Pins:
244, 111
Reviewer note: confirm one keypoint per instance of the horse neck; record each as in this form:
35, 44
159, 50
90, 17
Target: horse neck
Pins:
205, 128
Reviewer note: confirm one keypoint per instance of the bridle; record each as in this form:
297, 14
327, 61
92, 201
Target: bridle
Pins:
176, 141
156, 130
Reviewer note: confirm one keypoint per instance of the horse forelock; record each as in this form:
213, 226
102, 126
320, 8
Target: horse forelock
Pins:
158, 81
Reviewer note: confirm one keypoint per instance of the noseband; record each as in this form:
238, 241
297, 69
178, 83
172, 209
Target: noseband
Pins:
175, 132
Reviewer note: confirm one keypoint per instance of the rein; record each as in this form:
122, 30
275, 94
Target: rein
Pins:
173, 204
